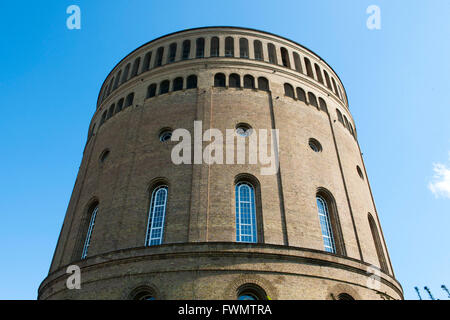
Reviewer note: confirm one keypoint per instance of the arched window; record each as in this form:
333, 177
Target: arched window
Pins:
297, 62
186, 49
103, 119
289, 90
285, 57
136, 64
327, 79
214, 47
325, 225
156, 216
309, 71
234, 81
110, 86
249, 82
151, 90
322, 105
339, 116
243, 47
191, 82
129, 100
164, 87
345, 122
345, 296
90, 228
258, 50
229, 47
318, 73
246, 228
263, 84
200, 48
172, 53
159, 57
350, 127
146, 64
377, 242
340, 93
250, 291
301, 95
125, 74
116, 83
335, 87
329, 223
111, 111
312, 99
219, 80
120, 105
143, 293
178, 84
272, 53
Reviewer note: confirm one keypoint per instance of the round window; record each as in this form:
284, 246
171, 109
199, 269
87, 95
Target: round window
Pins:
165, 135
243, 129
315, 145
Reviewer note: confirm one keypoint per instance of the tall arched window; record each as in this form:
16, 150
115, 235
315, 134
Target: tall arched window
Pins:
243, 47
377, 242
309, 71
285, 57
136, 64
178, 84
146, 64
263, 84
214, 47
103, 119
159, 56
200, 48
325, 225
249, 82
219, 80
329, 222
111, 111
151, 91
339, 116
116, 83
87, 241
246, 228
125, 74
272, 53
322, 105
129, 100
289, 90
186, 49
327, 79
258, 50
164, 87
312, 99
318, 73
301, 95
156, 216
229, 47
120, 105
172, 52
297, 62
110, 86
234, 81
335, 87
191, 82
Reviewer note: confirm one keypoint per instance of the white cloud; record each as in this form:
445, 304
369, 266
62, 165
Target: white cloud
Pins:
440, 186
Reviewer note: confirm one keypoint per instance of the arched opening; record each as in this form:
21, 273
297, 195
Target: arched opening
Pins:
251, 291
297, 62
322, 105
136, 64
272, 53
156, 216
234, 81
243, 48
178, 84
285, 57
151, 90
229, 47
377, 242
339, 116
301, 95
312, 99
263, 84
111, 111
120, 105
327, 79
89, 228
289, 90
200, 48
146, 64
172, 53
309, 71
159, 57
318, 73
214, 52
219, 80
164, 87
257, 46
249, 82
345, 296
186, 49
129, 100
191, 82
125, 74
116, 83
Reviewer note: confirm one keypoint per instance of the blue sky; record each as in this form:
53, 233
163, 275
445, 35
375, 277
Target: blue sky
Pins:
397, 81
